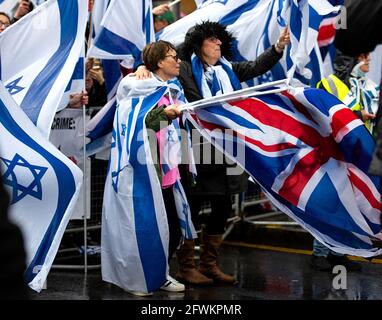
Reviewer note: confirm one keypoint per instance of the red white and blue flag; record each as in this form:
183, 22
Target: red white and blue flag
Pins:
310, 154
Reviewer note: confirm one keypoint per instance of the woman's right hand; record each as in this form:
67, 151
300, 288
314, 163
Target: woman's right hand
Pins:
173, 111
141, 74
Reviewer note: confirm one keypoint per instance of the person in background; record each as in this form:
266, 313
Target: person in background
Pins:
95, 83
163, 20
77, 100
364, 91
339, 84
25, 6
5, 21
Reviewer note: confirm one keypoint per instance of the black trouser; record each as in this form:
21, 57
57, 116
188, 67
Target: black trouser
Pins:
221, 208
173, 221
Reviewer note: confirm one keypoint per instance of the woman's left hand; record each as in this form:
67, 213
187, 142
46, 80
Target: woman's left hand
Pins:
283, 40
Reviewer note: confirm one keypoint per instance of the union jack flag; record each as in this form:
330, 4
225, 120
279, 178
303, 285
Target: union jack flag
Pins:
310, 154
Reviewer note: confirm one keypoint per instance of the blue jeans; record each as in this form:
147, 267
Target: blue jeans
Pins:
321, 250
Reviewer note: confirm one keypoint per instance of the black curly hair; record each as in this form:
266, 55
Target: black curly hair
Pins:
197, 34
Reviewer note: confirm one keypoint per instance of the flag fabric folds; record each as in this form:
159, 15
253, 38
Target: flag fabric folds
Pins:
310, 154
43, 185
125, 30
305, 19
135, 231
257, 24
8, 6
35, 71
76, 83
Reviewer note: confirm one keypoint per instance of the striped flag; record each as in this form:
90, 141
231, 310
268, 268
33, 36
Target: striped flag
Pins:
125, 29
76, 83
311, 155
135, 231
36, 71
257, 24
9, 6
43, 184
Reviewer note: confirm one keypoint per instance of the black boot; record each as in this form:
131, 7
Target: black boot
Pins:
320, 263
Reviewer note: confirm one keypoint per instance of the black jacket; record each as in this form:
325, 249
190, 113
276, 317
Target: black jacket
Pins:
213, 179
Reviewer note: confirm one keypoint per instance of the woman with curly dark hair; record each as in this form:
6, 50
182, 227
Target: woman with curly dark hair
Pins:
206, 71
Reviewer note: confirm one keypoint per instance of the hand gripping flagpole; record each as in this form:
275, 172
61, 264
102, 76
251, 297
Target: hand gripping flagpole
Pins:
238, 95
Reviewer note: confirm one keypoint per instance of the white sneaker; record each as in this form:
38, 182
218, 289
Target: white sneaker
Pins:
140, 293
173, 285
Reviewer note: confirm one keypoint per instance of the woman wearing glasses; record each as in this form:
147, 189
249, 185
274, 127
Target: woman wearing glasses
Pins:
147, 225
5, 21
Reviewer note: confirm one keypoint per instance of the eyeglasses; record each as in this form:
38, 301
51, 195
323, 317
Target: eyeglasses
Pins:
4, 24
176, 57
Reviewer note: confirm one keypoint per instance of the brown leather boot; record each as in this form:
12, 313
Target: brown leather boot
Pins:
209, 259
186, 265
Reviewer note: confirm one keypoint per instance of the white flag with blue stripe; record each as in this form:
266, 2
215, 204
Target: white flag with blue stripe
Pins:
43, 185
38, 55
212, 11
202, 3
98, 12
8, 6
38, 2
305, 18
135, 235
125, 29
256, 25
76, 83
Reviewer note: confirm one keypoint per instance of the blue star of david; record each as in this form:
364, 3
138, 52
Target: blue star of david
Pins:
170, 138
123, 129
114, 180
113, 139
267, 77
10, 178
13, 88
185, 208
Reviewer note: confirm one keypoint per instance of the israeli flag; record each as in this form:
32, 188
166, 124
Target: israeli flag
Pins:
113, 76
99, 10
305, 18
100, 127
38, 2
35, 70
125, 29
9, 6
135, 231
43, 185
202, 3
76, 83
213, 11
256, 25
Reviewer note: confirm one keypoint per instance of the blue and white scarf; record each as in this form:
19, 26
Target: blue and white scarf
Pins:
215, 80
364, 91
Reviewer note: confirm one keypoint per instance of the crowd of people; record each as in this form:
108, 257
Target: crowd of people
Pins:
203, 66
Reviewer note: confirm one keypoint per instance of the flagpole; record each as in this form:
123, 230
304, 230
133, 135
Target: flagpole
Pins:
237, 95
174, 3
